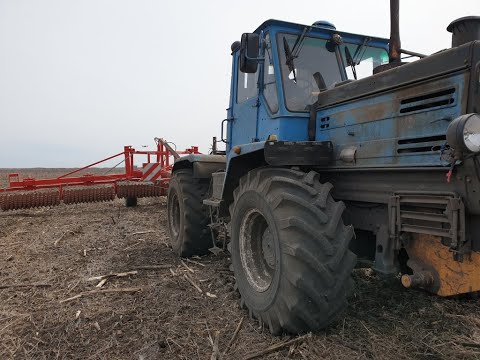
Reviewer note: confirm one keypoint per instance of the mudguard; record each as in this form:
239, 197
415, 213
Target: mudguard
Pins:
203, 165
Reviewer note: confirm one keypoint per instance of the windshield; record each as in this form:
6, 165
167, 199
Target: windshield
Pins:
300, 88
314, 66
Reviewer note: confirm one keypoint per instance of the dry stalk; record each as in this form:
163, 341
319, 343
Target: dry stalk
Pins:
153, 267
131, 246
142, 232
276, 347
190, 280
216, 351
6, 286
101, 291
63, 235
187, 267
194, 262
234, 336
118, 275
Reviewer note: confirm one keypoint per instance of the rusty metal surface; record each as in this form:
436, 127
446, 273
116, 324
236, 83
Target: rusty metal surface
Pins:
439, 214
394, 44
388, 132
474, 90
440, 64
422, 279
428, 254
385, 67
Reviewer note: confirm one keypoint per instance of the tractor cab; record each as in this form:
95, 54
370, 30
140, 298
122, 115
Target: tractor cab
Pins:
279, 71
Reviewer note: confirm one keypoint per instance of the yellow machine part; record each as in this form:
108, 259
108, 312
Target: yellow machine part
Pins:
434, 265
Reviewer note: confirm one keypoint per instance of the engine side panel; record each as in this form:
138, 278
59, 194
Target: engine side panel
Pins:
404, 127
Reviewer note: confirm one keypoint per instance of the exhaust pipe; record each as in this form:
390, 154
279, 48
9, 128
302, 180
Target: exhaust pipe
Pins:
394, 45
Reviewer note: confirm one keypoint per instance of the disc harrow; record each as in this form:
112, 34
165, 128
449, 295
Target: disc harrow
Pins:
29, 199
139, 190
88, 194
150, 180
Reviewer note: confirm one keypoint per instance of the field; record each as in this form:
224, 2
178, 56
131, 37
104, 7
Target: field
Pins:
51, 309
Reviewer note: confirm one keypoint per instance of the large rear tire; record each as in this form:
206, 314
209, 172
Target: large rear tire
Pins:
186, 215
290, 250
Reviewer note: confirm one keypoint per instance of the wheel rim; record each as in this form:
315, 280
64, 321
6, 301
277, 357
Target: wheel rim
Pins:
257, 252
174, 215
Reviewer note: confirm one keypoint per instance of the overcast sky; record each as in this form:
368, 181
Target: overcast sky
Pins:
80, 79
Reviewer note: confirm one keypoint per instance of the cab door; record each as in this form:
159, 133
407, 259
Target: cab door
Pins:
243, 124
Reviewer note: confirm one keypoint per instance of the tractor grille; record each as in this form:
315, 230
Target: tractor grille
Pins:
437, 214
421, 144
432, 100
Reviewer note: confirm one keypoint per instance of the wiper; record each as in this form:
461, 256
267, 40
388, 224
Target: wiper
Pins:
350, 62
357, 57
360, 51
292, 54
289, 59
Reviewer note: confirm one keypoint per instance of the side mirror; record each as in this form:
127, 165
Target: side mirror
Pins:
249, 51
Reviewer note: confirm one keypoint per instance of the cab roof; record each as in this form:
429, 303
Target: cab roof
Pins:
299, 27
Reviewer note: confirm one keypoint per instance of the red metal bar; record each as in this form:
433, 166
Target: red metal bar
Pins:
31, 184
89, 166
128, 165
162, 158
158, 151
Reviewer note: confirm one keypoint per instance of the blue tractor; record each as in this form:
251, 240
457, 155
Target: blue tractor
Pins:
327, 132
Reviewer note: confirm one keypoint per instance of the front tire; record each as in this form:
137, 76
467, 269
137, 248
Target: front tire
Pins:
186, 215
290, 250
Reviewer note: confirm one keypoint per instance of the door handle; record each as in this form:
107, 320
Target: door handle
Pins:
222, 139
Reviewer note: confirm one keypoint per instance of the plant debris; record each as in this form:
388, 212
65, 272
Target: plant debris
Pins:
170, 318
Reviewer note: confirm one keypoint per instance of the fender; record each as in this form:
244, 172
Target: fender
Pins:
246, 157
203, 165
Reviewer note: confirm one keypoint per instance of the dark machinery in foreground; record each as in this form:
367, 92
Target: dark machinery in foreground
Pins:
328, 132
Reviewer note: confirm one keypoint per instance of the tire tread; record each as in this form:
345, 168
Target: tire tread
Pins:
317, 280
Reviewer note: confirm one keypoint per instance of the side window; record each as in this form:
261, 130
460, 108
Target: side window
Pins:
246, 86
269, 85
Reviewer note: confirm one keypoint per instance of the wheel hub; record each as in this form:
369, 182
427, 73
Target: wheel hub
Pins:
267, 248
174, 215
257, 250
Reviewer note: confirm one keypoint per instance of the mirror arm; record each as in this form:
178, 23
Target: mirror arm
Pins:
259, 59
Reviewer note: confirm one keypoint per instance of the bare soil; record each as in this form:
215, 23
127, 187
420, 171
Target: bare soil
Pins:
47, 255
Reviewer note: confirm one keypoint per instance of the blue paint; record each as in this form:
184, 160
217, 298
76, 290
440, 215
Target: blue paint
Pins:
374, 125
252, 121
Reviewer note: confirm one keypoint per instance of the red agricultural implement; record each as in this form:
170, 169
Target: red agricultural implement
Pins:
72, 188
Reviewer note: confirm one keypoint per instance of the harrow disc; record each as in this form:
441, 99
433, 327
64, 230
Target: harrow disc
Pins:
29, 199
77, 195
132, 189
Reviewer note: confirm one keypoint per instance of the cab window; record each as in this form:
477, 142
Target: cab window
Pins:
246, 86
269, 83
360, 60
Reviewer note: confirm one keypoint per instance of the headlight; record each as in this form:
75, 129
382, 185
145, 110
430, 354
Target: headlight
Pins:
463, 134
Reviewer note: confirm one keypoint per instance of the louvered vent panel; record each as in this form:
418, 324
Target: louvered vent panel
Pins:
428, 101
